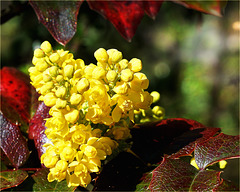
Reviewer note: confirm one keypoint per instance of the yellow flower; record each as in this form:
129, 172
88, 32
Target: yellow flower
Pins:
156, 96
75, 99
61, 92
54, 57
38, 53
49, 161
50, 99
46, 47
111, 75
80, 136
72, 116
89, 150
126, 75
120, 133
82, 85
101, 55
135, 65
61, 165
114, 56
68, 154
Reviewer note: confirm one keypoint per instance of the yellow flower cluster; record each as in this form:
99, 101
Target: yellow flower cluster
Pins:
108, 93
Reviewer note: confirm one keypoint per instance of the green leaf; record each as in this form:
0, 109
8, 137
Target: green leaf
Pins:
42, 184
12, 178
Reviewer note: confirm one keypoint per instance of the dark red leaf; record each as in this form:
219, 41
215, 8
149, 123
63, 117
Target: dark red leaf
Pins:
168, 136
13, 144
216, 149
59, 17
124, 15
210, 7
42, 184
12, 178
37, 128
16, 90
226, 186
152, 7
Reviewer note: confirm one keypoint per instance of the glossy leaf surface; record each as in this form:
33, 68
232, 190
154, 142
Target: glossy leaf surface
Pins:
124, 15
37, 128
42, 184
14, 149
12, 178
216, 149
16, 92
60, 18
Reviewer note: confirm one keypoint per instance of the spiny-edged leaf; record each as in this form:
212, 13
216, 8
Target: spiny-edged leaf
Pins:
179, 175
12, 178
16, 94
124, 15
14, 148
216, 149
42, 184
152, 140
59, 17
37, 128
152, 7
214, 7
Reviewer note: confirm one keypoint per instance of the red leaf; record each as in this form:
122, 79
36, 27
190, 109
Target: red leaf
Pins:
152, 7
168, 136
13, 144
37, 128
216, 149
60, 18
178, 175
12, 178
16, 90
124, 15
210, 7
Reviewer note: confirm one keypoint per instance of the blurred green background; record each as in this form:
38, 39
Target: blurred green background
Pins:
191, 58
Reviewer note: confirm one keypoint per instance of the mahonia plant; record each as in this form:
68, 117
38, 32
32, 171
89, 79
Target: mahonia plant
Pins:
92, 108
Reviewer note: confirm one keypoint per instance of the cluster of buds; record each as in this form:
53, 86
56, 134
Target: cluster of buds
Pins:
83, 99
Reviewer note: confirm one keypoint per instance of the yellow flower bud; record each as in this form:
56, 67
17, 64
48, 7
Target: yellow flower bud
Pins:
61, 165
121, 133
53, 71
123, 64
101, 55
114, 56
41, 66
88, 70
68, 154
158, 111
135, 65
121, 88
82, 85
75, 99
68, 71
50, 99
222, 164
61, 92
111, 75
46, 78
60, 104
98, 73
38, 53
126, 75
59, 78
139, 81
50, 161
72, 116
35, 60
54, 57
46, 87
46, 47
156, 96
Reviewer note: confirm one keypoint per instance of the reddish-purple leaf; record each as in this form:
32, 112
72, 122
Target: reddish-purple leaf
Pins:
152, 7
42, 184
59, 17
37, 128
124, 15
15, 90
152, 140
210, 7
13, 144
216, 149
12, 178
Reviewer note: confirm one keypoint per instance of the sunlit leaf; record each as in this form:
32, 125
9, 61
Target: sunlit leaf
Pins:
12, 178
124, 15
42, 184
59, 17
216, 149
